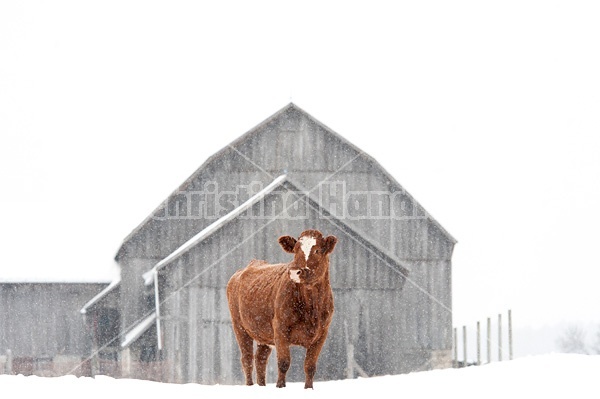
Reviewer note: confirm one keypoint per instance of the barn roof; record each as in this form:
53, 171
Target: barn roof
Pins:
281, 181
138, 330
112, 287
257, 130
149, 275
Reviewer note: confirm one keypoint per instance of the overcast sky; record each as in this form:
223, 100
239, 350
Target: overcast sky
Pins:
487, 112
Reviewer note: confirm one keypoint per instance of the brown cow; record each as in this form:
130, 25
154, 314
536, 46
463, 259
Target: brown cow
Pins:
282, 305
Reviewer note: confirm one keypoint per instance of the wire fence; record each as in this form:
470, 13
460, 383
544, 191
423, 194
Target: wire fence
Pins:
468, 350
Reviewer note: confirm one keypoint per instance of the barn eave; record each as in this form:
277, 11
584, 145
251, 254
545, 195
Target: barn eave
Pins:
112, 287
138, 330
149, 275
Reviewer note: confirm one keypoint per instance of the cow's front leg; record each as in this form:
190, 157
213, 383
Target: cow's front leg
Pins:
283, 361
310, 362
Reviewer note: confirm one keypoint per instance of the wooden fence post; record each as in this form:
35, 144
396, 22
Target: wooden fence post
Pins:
510, 336
489, 340
455, 341
500, 337
465, 346
478, 344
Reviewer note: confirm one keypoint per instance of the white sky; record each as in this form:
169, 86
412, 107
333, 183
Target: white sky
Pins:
487, 112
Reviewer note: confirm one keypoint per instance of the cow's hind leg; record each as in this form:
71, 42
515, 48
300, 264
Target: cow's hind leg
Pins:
262, 357
246, 344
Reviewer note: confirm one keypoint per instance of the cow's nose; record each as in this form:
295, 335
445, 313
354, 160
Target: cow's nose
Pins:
295, 275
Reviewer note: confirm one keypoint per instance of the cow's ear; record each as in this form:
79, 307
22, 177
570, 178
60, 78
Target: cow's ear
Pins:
287, 243
329, 244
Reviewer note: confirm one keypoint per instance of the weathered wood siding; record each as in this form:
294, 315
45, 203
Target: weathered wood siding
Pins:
134, 304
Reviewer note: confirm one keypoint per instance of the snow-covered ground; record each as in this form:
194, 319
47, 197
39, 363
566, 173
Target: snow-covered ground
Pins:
556, 375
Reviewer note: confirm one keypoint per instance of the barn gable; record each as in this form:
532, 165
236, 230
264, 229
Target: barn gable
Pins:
293, 142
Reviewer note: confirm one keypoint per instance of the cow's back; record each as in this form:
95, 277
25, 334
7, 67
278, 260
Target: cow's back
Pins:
251, 294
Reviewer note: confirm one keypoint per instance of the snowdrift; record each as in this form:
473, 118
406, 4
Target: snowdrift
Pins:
556, 375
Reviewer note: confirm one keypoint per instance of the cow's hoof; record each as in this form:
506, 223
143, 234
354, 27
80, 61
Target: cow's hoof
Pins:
280, 385
308, 386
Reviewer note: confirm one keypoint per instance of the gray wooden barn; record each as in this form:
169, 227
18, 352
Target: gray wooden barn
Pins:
391, 270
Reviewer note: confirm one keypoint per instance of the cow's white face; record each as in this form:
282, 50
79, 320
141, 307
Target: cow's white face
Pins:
306, 244
311, 255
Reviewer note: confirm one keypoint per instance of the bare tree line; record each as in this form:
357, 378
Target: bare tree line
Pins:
573, 340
